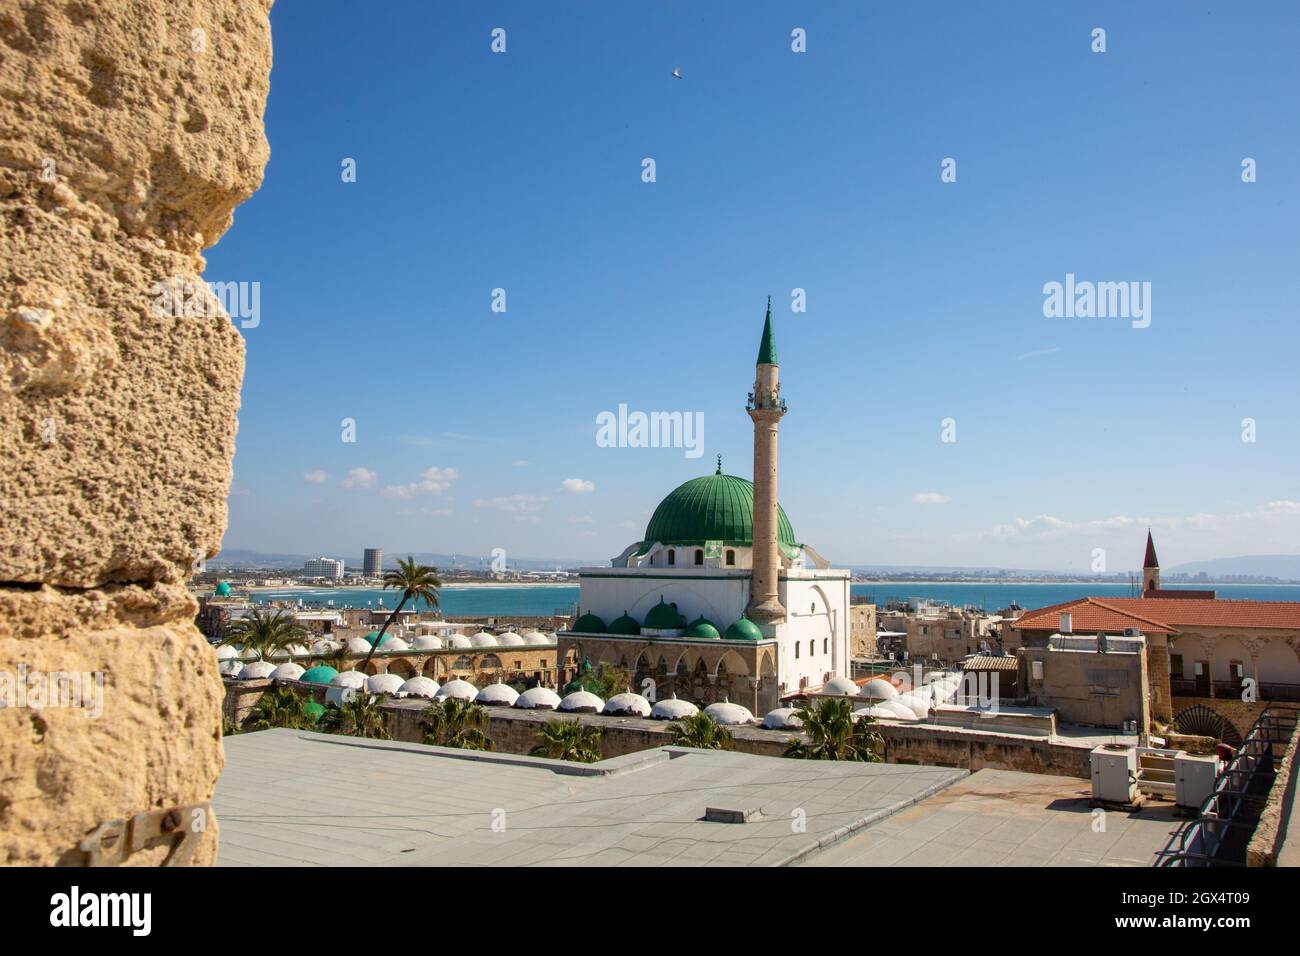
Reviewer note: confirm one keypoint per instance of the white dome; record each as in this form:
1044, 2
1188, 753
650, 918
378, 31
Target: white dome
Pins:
728, 714
483, 639
384, 684
934, 676
358, 645
419, 687
582, 702
538, 698
783, 718
428, 642
460, 689
459, 641
875, 710
226, 653
900, 710
230, 668
394, 644
497, 695
325, 647
627, 705
349, 679
537, 637
293, 650
673, 709
840, 687
246, 654
256, 670
878, 689
289, 671
916, 702
510, 639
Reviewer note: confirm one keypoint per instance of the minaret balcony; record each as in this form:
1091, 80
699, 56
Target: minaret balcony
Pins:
766, 400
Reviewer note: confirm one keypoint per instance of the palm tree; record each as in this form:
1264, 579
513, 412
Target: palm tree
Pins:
456, 723
266, 632
359, 716
280, 707
418, 581
834, 734
699, 730
568, 740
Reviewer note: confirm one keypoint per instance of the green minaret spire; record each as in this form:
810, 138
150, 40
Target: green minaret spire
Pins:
767, 348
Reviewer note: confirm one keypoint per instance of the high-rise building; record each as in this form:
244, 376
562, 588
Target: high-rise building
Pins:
373, 563
323, 568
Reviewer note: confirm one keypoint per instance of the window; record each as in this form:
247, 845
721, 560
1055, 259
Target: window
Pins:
672, 556
1176, 665
826, 645
519, 665
1235, 670
462, 663
699, 557
543, 661
796, 650
731, 556
490, 662
812, 648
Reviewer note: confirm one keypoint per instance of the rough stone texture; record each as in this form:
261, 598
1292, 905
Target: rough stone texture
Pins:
129, 131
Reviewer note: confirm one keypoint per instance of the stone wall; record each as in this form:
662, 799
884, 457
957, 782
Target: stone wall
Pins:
129, 132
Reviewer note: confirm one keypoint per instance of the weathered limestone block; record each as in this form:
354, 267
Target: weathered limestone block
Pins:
129, 131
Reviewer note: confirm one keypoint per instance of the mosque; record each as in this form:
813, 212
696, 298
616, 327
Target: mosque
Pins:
719, 600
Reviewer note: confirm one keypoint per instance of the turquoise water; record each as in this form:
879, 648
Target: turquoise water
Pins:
541, 601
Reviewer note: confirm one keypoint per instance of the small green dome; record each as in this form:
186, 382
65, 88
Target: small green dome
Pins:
664, 617
625, 625
589, 624
701, 627
744, 630
320, 674
313, 710
374, 635
223, 589
715, 507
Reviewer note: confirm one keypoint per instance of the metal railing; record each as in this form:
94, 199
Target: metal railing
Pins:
1226, 819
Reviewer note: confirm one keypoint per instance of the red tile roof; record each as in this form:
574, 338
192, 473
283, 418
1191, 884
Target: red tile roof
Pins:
1167, 615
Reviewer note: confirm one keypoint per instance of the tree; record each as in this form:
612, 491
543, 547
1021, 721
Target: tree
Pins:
280, 707
568, 740
359, 716
461, 724
699, 730
418, 581
266, 632
834, 734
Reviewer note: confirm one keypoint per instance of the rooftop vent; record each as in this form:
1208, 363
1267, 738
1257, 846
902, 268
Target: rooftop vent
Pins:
730, 815
1067, 624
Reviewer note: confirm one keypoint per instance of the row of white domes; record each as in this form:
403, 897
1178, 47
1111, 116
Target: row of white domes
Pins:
915, 704
423, 642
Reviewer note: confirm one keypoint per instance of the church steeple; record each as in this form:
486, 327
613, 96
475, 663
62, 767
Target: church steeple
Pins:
1150, 567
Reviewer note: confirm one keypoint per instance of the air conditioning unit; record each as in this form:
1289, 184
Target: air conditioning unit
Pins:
1114, 773
1194, 776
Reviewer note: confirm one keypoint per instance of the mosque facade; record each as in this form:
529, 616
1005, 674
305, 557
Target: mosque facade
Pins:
720, 600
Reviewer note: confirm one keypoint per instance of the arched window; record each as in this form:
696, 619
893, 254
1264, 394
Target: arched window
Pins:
699, 556
672, 556
826, 645
812, 648
490, 662
462, 663
796, 650
731, 556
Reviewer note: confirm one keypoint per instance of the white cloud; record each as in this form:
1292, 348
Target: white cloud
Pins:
513, 504
579, 486
433, 481
316, 477
930, 498
520, 463
582, 519
360, 478
1045, 527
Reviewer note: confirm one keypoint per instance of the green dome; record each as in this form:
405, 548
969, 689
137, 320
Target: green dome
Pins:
320, 674
624, 625
701, 627
589, 624
716, 507
663, 617
313, 710
374, 635
223, 589
744, 630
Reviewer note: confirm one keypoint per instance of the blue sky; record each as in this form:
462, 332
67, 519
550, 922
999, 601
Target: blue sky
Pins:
775, 170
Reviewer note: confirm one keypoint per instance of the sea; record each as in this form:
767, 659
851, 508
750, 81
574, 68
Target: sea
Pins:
540, 601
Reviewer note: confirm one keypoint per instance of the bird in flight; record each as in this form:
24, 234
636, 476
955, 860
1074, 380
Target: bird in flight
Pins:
677, 72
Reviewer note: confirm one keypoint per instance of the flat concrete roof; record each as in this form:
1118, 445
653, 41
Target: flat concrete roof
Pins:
299, 798
1006, 818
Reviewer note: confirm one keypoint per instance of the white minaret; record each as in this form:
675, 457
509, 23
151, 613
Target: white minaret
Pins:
766, 408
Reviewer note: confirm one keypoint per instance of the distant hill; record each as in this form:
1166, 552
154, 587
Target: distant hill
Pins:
1285, 566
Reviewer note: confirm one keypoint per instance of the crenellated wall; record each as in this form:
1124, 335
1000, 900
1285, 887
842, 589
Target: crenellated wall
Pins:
129, 132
